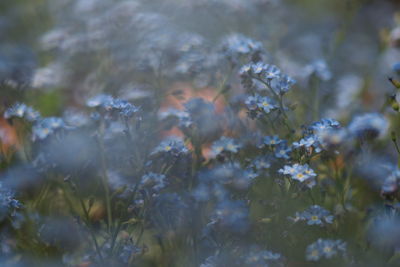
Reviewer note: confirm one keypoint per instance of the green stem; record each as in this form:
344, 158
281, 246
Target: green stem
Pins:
279, 99
104, 181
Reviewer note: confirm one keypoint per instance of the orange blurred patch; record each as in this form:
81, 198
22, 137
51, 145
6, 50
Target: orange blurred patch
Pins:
186, 91
179, 94
8, 138
338, 162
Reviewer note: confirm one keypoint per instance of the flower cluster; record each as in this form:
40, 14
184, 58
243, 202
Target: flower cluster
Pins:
23, 111
314, 215
325, 248
301, 173
199, 133
109, 104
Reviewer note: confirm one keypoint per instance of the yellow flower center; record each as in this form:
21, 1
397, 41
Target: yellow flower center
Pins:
314, 253
231, 147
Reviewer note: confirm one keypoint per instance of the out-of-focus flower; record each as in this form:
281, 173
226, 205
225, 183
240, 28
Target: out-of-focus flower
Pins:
183, 117
172, 145
390, 184
283, 85
332, 138
320, 69
45, 127
325, 248
261, 163
108, 103
236, 45
129, 251
8, 204
272, 140
225, 144
232, 175
282, 151
308, 142
20, 110
323, 125
396, 68
257, 257
75, 118
231, 215
314, 215
100, 101
153, 181
369, 125
384, 232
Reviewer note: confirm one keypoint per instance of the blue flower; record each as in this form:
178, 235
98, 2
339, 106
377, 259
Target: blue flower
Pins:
282, 151
271, 72
74, 118
8, 204
125, 108
266, 104
153, 181
325, 248
102, 100
283, 84
225, 144
369, 125
272, 140
20, 110
183, 117
308, 142
129, 251
323, 125
316, 215
235, 45
252, 102
257, 257
42, 129
396, 67
109, 103
301, 173
320, 69
257, 104
261, 163
258, 68
231, 174
332, 138
261, 70
232, 215
391, 183
171, 145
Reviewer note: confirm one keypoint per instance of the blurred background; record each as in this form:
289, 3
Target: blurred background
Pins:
158, 54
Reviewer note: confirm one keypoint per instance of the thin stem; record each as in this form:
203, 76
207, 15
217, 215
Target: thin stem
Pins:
104, 182
279, 99
86, 220
396, 146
